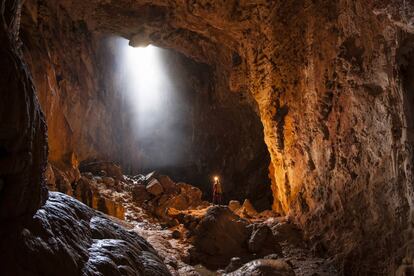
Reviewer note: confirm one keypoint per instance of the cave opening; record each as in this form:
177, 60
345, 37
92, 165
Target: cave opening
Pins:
182, 122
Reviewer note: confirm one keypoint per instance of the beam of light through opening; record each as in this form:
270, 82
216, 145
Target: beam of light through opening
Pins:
148, 84
154, 103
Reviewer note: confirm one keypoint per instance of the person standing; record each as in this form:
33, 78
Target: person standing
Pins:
217, 191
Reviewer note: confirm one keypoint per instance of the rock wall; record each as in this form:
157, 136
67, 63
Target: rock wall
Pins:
41, 233
63, 57
205, 132
332, 85
89, 117
23, 142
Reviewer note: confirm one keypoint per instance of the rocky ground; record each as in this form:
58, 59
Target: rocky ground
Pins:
192, 236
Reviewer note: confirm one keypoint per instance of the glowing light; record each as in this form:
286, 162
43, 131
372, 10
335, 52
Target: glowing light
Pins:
148, 83
154, 103
216, 178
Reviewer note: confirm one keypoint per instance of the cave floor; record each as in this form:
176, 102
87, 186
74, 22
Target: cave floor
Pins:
195, 237
175, 243
176, 251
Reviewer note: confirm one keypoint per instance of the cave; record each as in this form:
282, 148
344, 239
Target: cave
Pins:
206, 137
194, 129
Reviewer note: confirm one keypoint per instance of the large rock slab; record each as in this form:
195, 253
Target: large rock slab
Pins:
167, 184
140, 194
154, 187
66, 237
264, 267
90, 192
263, 242
220, 235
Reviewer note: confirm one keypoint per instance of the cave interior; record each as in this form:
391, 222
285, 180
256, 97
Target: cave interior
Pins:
207, 137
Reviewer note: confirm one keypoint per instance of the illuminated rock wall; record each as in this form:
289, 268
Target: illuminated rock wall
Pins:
328, 85
332, 86
89, 116
63, 57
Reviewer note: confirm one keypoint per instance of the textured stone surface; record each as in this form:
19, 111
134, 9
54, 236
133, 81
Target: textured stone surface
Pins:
234, 205
63, 60
23, 144
263, 242
219, 236
167, 184
154, 187
95, 195
264, 268
140, 194
65, 237
88, 114
328, 85
332, 87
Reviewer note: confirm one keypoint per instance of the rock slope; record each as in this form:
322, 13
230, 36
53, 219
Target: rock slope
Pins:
65, 237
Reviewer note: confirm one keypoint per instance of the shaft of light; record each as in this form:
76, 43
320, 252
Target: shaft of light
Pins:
153, 102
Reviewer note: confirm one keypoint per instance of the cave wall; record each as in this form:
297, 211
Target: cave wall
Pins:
332, 86
23, 140
332, 99
76, 74
335, 132
215, 125
65, 60
206, 131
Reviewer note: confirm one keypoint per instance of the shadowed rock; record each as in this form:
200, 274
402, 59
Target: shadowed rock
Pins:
219, 236
264, 268
65, 237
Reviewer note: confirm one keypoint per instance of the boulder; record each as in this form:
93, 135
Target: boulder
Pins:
88, 175
87, 191
264, 267
219, 236
167, 202
179, 202
234, 205
247, 210
286, 231
140, 194
108, 206
136, 179
154, 187
109, 181
188, 197
235, 263
151, 175
262, 241
192, 193
167, 184
65, 237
